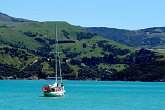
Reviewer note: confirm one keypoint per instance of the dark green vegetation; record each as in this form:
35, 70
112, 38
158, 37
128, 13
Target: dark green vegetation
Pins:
149, 38
27, 51
150, 71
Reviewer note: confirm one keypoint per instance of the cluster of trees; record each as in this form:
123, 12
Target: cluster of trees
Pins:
8, 71
140, 38
150, 71
14, 45
68, 72
152, 42
35, 69
32, 34
141, 56
84, 35
72, 54
140, 64
66, 34
110, 48
44, 50
14, 52
40, 40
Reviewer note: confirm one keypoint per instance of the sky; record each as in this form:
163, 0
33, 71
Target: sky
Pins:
123, 14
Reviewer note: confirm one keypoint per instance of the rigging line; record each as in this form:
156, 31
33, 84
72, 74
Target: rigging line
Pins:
60, 67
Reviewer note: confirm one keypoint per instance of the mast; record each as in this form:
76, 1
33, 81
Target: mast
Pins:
57, 57
56, 44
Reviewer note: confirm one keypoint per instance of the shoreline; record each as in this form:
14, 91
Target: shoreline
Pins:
78, 80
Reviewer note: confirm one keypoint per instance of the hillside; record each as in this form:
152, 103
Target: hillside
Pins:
7, 18
27, 51
26, 44
148, 38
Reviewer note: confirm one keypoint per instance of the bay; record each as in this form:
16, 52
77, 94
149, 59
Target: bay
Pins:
83, 95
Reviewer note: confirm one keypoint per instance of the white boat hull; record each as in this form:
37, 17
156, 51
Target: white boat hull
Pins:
54, 94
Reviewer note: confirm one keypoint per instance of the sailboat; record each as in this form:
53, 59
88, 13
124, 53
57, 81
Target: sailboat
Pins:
57, 88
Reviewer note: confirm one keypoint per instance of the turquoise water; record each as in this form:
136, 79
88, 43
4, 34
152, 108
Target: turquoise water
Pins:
83, 95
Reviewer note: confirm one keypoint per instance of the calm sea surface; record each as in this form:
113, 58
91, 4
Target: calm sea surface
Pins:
83, 95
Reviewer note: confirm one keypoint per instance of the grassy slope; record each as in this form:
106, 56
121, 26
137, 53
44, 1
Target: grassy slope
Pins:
149, 37
15, 35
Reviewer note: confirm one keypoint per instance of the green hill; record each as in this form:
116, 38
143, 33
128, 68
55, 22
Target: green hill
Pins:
148, 38
23, 43
27, 51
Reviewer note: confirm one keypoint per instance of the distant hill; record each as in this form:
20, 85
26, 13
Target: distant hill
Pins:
149, 38
7, 18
